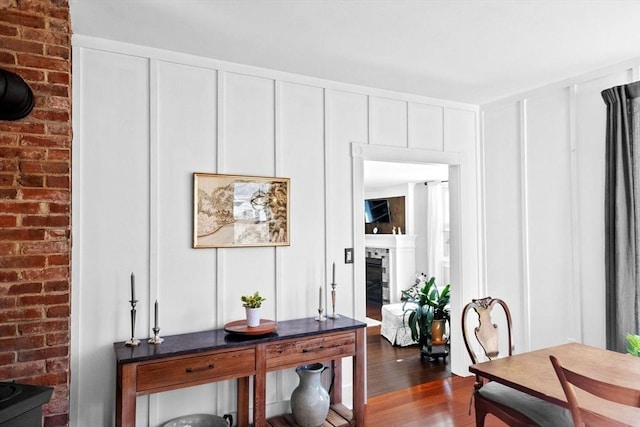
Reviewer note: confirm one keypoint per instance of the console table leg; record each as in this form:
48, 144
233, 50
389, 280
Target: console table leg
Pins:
359, 377
243, 402
336, 391
259, 388
126, 395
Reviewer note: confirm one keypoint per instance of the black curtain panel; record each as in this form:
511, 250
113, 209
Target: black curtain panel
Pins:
622, 214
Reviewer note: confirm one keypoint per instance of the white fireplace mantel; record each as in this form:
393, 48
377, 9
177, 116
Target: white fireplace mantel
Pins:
390, 241
402, 260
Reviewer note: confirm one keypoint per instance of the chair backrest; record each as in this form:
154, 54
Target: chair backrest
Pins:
611, 392
486, 332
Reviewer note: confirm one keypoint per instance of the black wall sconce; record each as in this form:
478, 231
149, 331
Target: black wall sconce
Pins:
16, 97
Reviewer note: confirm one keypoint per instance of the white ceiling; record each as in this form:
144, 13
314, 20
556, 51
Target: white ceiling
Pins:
471, 51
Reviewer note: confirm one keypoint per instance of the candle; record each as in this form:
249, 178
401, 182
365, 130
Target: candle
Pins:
156, 315
333, 277
320, 299
133, 287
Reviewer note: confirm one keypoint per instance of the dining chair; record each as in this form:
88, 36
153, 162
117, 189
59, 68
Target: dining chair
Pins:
482, 336
611, 392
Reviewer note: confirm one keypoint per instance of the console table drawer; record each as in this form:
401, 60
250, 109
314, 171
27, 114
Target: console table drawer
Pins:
194, 369
295, 352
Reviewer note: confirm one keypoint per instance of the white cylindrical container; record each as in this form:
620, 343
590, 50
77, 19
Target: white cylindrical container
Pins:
253, 317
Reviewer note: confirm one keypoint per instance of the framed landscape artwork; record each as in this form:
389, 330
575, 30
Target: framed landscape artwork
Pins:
240, 211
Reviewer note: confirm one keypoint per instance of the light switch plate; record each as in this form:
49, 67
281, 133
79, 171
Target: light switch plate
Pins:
348, 255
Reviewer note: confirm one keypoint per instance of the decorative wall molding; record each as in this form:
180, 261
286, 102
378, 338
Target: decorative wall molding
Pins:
632, 65
79, 40
195, 114
577, 126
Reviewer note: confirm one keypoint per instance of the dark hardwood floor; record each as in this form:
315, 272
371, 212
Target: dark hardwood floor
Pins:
391, 368
440, 403
404, 391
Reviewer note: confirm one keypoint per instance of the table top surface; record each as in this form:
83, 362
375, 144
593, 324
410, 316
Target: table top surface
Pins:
218, 339
533, 374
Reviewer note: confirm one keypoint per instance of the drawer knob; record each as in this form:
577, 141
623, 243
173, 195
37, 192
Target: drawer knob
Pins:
200, 369
309, 350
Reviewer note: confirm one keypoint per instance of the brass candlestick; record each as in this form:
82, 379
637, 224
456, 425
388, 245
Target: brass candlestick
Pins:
333, 314
133, 341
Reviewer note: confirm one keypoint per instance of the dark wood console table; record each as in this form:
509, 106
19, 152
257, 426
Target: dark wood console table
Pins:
202, 357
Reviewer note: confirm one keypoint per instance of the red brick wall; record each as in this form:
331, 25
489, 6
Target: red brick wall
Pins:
35, 203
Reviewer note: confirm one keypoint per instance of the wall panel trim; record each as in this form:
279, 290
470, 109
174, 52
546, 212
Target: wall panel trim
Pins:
482, 220
154, 203
77, 246
526, 267
277, 166
631, 64
79, 40
220, 137
576, 242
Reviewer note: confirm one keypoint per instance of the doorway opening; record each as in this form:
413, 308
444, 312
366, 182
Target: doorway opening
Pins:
392, 367
403, 245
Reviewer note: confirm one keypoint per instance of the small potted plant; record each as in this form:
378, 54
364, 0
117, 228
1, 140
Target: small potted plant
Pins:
429, 313
252, 304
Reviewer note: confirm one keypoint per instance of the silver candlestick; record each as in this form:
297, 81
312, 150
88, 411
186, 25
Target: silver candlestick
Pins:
333, 314
321, 317
155, 339
133, 341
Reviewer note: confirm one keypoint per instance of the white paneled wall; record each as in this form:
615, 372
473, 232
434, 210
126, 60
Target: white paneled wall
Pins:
426, 126
502, 209
543, 184
185, 121
185, 102
111, 224
548, 213
346, 121
144, 121
302, 136
388, 124
460, 128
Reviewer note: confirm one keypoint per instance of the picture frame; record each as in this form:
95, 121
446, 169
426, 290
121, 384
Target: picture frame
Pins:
240, 211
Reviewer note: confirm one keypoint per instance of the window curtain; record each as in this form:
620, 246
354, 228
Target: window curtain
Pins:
622, 214
435, 232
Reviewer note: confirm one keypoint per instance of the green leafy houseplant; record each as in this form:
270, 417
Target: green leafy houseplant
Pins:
430, 305
252, 301
633, 344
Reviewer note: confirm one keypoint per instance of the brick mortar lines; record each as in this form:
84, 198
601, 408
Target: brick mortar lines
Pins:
35, 245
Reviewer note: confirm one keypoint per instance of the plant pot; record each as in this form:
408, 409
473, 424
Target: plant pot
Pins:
438, 332
253, 317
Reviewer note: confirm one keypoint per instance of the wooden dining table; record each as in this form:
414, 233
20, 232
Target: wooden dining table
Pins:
532, 373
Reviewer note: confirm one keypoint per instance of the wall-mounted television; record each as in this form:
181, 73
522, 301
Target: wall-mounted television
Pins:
376, 210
